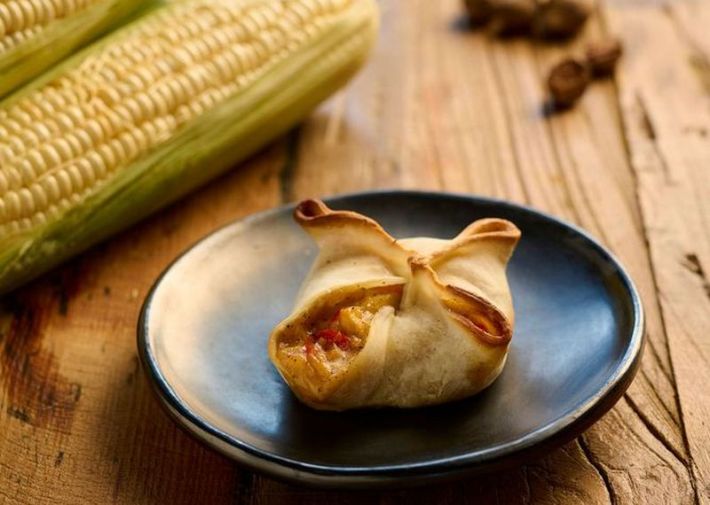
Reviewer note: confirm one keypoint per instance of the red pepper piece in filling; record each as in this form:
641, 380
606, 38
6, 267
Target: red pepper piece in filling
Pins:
309, 343
333, 336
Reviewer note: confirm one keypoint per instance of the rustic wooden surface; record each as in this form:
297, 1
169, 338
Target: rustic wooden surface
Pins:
438, 107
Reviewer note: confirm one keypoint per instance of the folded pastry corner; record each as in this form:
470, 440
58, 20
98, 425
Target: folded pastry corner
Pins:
386, 322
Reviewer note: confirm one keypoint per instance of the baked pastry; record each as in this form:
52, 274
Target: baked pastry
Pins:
404, 323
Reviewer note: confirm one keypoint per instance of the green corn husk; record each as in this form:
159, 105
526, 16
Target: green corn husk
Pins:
23, 59
284, 72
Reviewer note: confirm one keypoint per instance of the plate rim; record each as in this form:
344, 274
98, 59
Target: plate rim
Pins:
522, 449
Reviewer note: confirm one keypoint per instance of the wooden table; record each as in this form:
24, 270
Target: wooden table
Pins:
438, 107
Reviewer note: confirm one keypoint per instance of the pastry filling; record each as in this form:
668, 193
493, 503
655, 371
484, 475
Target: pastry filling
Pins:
334, 333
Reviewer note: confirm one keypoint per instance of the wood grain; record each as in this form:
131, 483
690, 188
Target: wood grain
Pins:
439, 107
666, 110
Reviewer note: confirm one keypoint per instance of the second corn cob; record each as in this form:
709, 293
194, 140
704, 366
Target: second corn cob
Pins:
35, 34
158, 108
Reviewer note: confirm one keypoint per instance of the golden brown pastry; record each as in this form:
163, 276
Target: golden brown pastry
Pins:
385, 322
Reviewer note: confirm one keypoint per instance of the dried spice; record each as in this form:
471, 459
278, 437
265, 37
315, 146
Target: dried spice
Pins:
560, 19
479, 11
567, 81
511, 17
602, 57
547, 19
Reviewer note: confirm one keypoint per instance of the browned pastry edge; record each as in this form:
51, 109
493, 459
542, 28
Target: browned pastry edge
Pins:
482, 229
313, 213
491, 311
477, 303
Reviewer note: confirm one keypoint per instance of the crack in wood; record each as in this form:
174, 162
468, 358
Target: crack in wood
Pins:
662, 163
652, 387
655, 431
661, 365
603, 474
692, 263
646, 125
689, 334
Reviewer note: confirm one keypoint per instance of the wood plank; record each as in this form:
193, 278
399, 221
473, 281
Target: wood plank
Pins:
664, 94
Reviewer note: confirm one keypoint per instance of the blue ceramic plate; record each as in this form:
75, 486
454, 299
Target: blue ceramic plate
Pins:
203, 332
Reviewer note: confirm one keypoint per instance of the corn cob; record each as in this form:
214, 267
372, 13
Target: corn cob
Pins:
157, 108
35, 34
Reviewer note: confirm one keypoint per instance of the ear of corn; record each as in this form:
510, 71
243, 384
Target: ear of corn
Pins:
35, 34
158, 108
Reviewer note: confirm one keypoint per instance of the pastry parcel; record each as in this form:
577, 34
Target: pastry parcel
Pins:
403, 323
